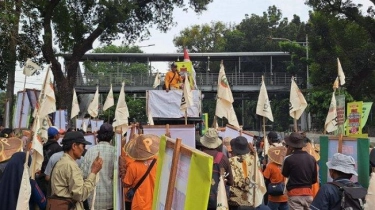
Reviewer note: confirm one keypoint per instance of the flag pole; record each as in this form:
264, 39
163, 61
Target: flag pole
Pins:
23, 100
186, 117
295, 122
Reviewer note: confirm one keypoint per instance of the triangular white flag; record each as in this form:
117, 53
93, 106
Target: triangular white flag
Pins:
331, 120
110, 101
93, 108
47, 100
297, 101
37, 146
187, 96
222, 198
25, 187
122, 112
30, 68
157, 80
75, 106
224, 107
263, 105
340, 72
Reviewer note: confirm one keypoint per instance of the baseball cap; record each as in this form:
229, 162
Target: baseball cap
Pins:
53, 131
74, 137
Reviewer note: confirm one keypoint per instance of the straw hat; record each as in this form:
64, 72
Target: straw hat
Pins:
309, 149
277, 154
9, 146
143, 147
211, 139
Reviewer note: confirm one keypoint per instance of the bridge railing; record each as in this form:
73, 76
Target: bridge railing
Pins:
246, 78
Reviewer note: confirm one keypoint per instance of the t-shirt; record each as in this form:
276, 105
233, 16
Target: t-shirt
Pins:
273, 173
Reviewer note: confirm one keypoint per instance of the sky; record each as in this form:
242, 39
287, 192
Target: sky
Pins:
227, 11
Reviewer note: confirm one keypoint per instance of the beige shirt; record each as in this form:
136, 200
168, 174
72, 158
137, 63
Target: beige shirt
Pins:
67, 181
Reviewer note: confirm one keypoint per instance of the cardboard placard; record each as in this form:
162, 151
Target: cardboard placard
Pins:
185, 132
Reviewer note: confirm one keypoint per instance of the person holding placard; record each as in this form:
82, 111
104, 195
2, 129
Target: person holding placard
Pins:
173, 80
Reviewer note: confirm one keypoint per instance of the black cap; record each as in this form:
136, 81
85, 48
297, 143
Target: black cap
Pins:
173, 65
74, 137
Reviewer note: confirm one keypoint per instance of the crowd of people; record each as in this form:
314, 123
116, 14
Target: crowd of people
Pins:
288, 173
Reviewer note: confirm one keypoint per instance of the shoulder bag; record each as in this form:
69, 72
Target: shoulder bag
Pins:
55, 202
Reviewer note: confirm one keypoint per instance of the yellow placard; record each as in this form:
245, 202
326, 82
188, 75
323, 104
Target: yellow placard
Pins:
186, 67
354, 116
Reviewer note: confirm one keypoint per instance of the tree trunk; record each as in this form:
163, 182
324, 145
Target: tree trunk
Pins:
11, 64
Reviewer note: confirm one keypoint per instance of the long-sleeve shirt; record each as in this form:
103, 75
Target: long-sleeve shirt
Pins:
67, 181
172, 79
104, 188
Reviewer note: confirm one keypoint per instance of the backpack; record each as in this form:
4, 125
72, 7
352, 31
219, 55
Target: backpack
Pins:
353, 195
212, 200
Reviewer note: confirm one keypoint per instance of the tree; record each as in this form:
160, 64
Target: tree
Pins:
74, 25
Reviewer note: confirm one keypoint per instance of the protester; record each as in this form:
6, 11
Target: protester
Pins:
10, 184
173, 79
273, 176
66, 178
301, 170
246, 192
311, 150
372, 161
104, 188
49, 148
341, 169
142, 150
209, 144
273, 139
227, 149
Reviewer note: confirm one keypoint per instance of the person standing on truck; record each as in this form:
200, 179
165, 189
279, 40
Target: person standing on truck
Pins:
173, 80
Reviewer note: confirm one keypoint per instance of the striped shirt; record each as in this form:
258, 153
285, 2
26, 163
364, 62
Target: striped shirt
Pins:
104, 189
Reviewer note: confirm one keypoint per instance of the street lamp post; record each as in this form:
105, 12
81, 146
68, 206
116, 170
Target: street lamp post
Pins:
306, 44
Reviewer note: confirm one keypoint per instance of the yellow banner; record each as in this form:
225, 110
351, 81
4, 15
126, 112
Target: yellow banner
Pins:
193, 169
354, 116
186, 67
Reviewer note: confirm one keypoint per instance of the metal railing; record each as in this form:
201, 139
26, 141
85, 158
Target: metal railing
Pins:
134, 80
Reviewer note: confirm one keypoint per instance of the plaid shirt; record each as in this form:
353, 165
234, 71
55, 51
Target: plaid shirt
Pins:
104, 189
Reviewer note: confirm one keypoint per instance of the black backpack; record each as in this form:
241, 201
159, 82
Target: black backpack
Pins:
212, 201
353, 195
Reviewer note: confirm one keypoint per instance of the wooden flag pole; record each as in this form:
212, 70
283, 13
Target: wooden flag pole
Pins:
23, 100
173, 174
295, 122
186, 117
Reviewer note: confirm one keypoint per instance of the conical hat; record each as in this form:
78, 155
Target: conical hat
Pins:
9, 146
277, 154
143, 147
309, 149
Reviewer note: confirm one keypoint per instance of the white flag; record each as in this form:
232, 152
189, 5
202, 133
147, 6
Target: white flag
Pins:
25, 187
37, 160
157, 80
75, 106
340, 72
297, 101
109, 102
93, 108
266, 146
224, 107
331, 120
30, 68
187, 96
264, 106
47, 100
122, 112
84, 126
260, 187
222, 200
